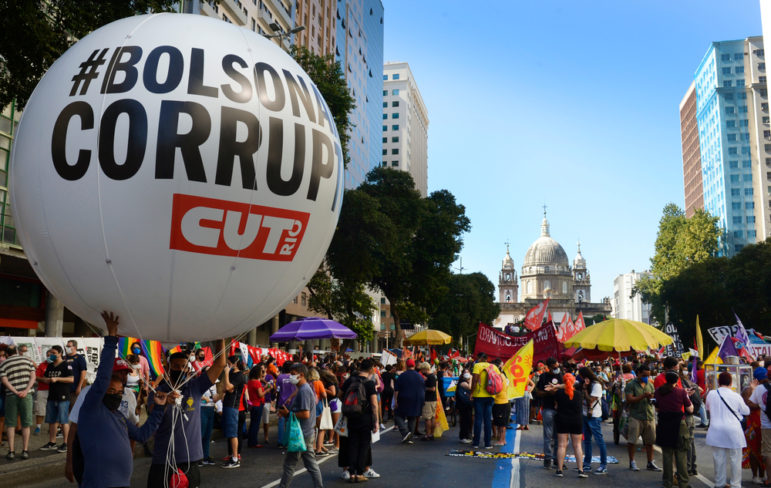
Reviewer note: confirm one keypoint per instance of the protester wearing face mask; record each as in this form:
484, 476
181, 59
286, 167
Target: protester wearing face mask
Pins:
41, 397
187, 430
144, 364
58, 375
642, 416
553, 376
234, 384
77, 363
199, 361
103, 432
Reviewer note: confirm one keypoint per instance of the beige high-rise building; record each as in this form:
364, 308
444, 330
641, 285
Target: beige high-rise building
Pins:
689, 134
319, 19
405, 124
260, 16
760, 133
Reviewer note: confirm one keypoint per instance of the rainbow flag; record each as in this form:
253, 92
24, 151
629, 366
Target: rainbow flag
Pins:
152, 350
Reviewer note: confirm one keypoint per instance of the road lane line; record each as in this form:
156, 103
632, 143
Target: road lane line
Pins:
318, 462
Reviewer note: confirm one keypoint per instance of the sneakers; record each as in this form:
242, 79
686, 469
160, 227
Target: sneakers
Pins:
757, 480
633, 466
370, 473
488, 447
547, 464
208, 462
62, 448
37, 431
346, 475
466, 441
652, 467
25, 454
10, 456
587, 468
582, 474
407, 437
559, 474
232, 464
601, 470
51, 446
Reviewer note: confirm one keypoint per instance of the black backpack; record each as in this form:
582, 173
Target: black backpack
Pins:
354, 398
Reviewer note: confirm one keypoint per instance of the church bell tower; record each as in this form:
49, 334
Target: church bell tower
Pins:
507, 280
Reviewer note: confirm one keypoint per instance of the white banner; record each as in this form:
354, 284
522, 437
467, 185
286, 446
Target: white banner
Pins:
719, 333
89, 347
387, 357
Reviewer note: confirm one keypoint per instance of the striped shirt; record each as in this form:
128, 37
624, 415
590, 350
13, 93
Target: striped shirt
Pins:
18, 369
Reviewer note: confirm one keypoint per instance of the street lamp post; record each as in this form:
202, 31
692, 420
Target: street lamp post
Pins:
281, 34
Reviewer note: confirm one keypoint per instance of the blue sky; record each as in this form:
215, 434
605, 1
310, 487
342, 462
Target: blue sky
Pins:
569, 104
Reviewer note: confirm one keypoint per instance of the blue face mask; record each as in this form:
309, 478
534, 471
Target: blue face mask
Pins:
644, 379
52, 358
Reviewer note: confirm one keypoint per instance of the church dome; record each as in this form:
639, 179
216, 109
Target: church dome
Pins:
545, 251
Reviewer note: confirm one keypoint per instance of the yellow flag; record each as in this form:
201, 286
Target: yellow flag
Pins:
714, 358
441, 425
699, 339
517, 370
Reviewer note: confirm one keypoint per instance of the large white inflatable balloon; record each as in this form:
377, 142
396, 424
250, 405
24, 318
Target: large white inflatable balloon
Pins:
177, 170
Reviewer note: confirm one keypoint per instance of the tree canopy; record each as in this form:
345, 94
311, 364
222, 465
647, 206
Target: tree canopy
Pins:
33, 34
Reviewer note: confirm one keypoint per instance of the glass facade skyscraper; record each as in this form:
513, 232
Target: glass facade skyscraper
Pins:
360, 53
724, 143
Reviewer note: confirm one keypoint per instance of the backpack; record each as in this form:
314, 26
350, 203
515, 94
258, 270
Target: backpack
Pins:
463, 396
354, 398
494, 383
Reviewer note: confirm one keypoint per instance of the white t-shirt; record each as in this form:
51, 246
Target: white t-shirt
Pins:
758, 397
596, 407
128, 405
725, 430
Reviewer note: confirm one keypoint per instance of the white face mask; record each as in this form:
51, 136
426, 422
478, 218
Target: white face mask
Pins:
294, 379
466, 376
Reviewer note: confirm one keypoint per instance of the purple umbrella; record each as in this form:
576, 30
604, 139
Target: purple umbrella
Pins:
312, 328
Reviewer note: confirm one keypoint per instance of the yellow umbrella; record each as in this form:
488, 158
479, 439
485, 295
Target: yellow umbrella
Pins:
619, 335
428, 337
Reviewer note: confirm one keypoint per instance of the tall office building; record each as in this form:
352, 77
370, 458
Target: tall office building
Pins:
724, 143
265, 17
320, 20
760, 132
689, 133
626, 306
360, 52
405, 125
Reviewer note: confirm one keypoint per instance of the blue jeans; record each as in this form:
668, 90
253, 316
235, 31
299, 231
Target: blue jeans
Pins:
255, 415
593, 428
207, 425
549, 439
483, 412
282, 424
703, 415
523, 410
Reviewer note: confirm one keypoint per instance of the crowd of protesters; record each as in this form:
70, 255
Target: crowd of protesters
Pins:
341, 405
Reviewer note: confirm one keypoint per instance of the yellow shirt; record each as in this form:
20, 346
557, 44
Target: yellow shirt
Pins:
481, 391
503, 397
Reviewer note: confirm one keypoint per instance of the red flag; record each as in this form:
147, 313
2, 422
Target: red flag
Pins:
433, 355
549, 319
566, 329
535, 315
580, 324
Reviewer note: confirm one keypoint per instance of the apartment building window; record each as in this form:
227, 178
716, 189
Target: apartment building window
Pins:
744, 123
738, 56
726, 71
727, 84
385, 128
767, 148
395, 103
736, 206
751, 219
767, 134
385, 104
734, 178
395, 164
396, 76
728, 96
395, 91
385, 116
761, 66
743, 109
385, 93
748, 192
740, 83
732, 150
385, 151
385, 77
395, 150
739, 70
382, 314
735, 192
730, 124
725, 57
768, 176
731, 137
738, 234
395, 139
762, 79
737, 220
749, 205
395, 127
738, 247
385, 139
733, 164
729, 110
751, 234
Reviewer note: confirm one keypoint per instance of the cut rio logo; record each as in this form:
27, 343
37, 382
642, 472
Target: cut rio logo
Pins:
223, 228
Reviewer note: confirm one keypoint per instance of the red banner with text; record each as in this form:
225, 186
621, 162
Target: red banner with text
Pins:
496, 344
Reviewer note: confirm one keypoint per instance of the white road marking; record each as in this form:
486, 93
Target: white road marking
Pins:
327, 458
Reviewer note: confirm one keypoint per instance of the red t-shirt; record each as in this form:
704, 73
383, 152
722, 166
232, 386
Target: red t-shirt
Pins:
41, 371
661, 379
700, 380
254, 398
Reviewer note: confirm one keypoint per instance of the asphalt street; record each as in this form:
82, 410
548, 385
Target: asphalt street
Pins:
427, 464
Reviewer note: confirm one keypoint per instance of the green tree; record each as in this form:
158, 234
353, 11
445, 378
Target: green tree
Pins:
680, 243
468, 300
329, 77
397, 242
346, 303
33, 34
